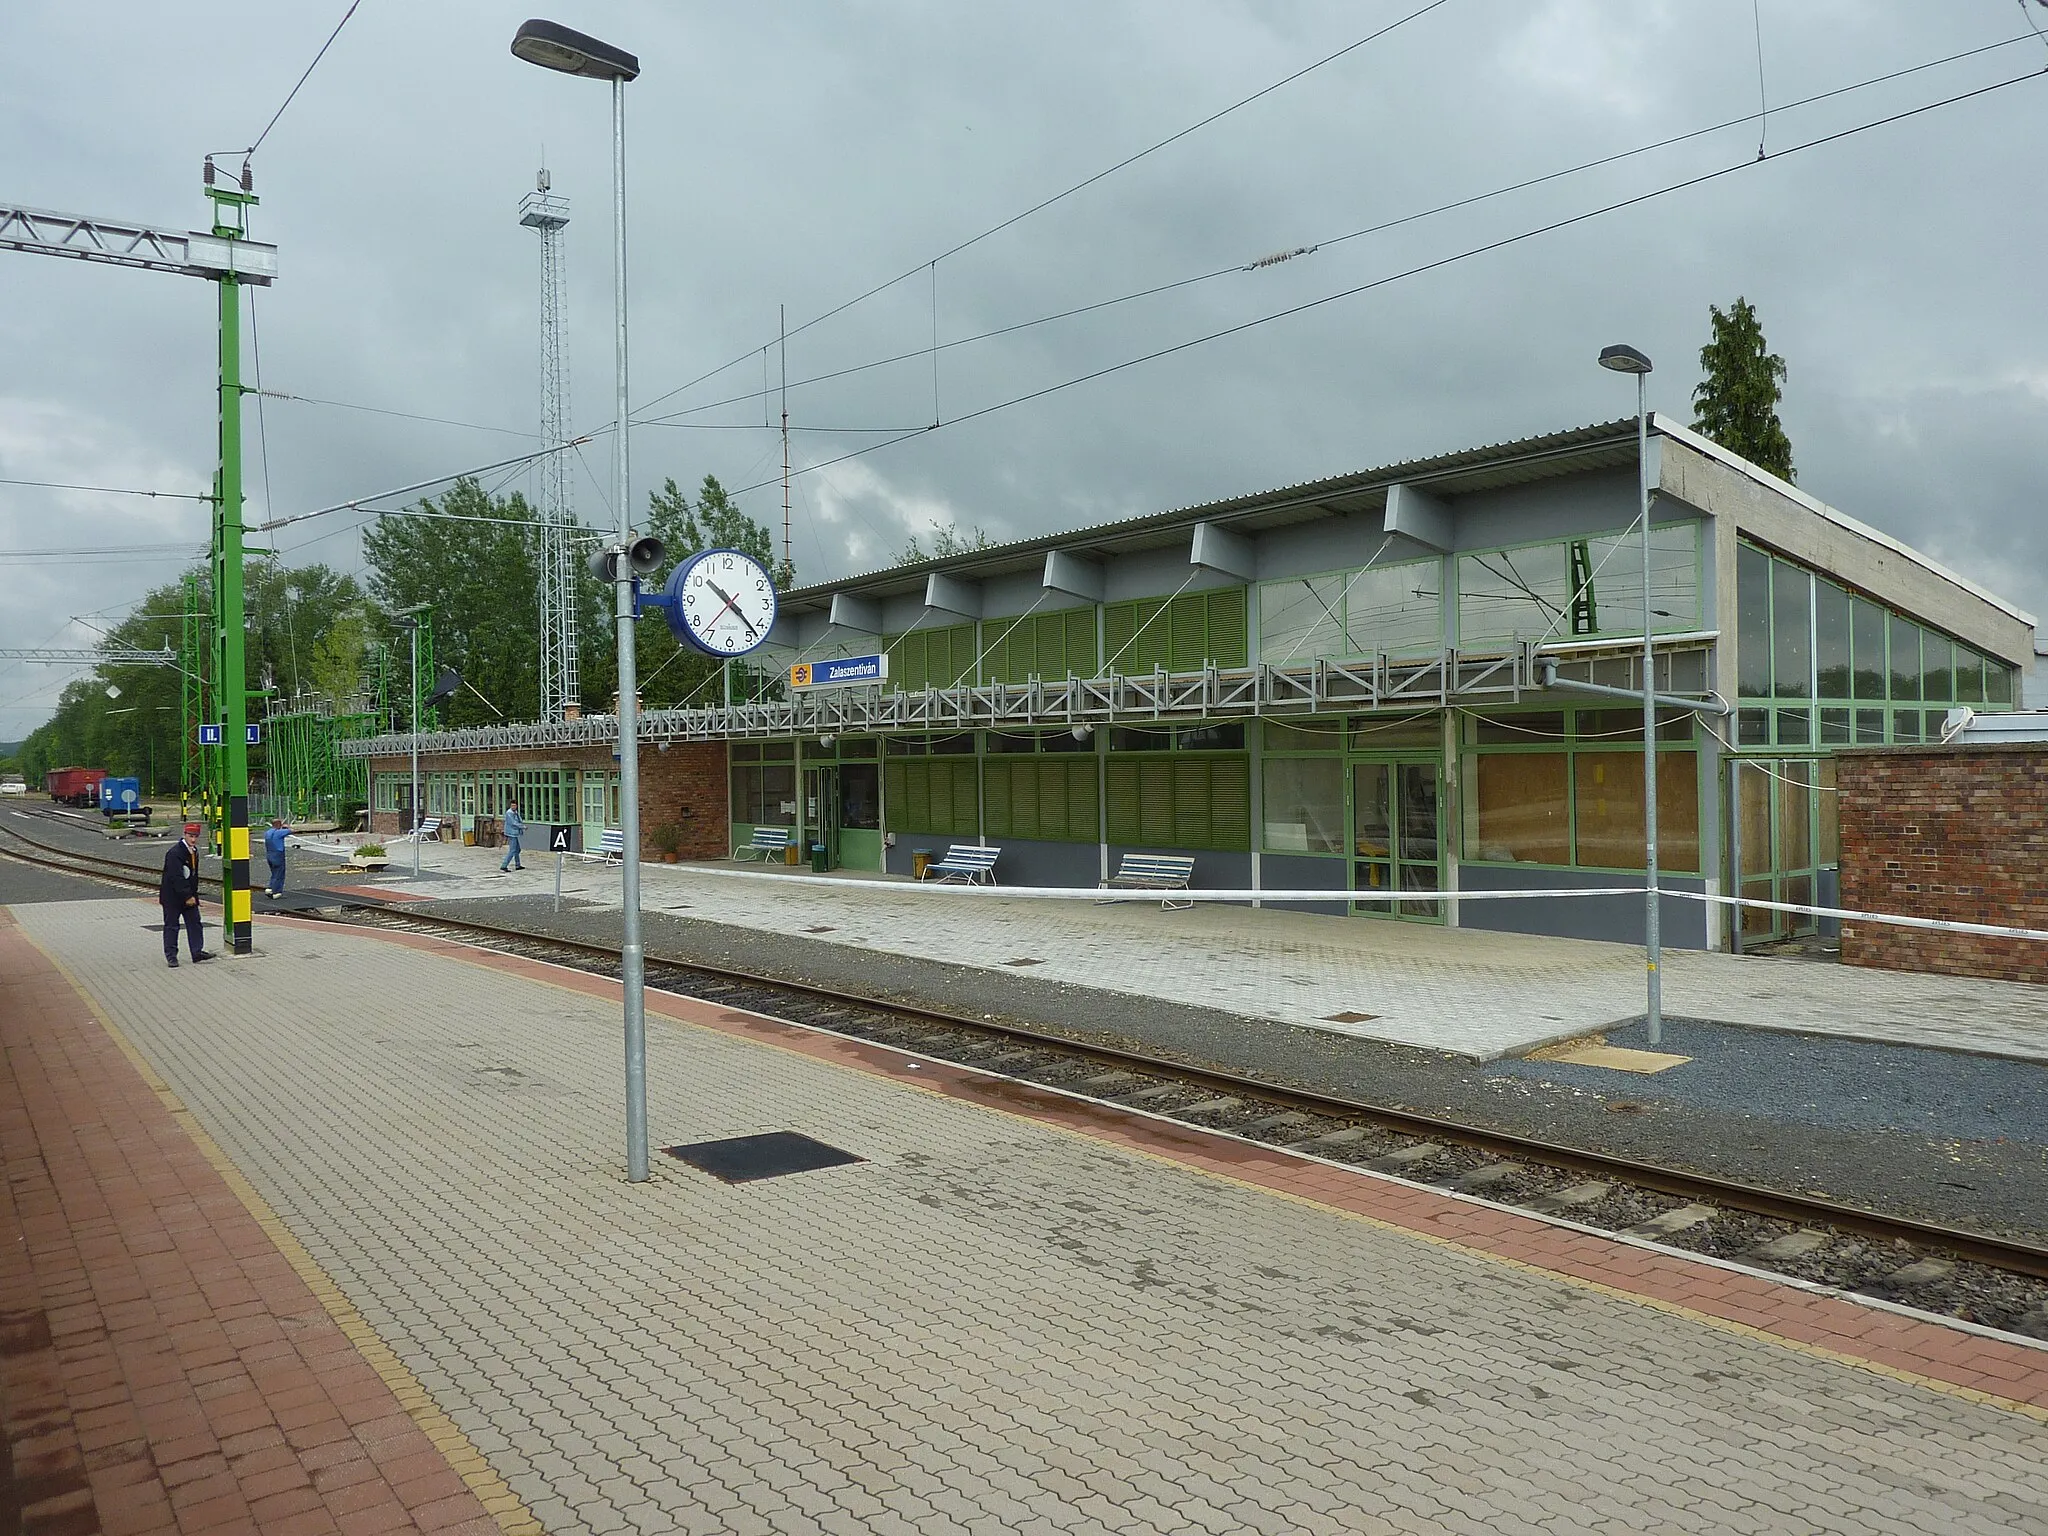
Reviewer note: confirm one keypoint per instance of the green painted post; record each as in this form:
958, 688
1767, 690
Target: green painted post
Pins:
231, 692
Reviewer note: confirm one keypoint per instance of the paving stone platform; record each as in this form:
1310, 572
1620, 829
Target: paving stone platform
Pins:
1016, 1313
164, 1366
1470, 992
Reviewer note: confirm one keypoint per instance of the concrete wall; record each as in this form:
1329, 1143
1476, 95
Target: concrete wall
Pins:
1959, 834
1618, 919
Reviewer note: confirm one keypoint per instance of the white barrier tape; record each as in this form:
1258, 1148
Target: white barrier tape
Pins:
1897, 920
1281, 898
1155, 893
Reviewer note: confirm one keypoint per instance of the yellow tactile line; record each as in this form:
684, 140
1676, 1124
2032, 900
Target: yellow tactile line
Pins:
468, 1463
494, 960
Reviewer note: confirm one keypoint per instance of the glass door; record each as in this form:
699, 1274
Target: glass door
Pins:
1397, 835
821, 812
1782, 830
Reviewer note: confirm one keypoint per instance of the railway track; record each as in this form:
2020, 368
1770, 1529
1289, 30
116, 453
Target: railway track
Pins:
1980, 1278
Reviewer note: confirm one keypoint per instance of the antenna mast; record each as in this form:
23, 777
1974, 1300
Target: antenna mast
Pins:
545, 213
782, 343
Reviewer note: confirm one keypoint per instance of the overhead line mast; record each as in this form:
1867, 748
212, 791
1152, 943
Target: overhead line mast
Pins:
560, 696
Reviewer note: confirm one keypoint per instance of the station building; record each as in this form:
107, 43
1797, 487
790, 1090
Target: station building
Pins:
1420, 679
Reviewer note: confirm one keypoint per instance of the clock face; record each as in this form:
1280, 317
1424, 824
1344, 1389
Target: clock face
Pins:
723, 602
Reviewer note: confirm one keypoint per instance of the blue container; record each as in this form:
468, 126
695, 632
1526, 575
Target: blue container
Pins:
120, 797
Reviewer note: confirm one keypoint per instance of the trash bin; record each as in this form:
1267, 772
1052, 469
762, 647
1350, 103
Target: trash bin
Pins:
818, 858
920, 861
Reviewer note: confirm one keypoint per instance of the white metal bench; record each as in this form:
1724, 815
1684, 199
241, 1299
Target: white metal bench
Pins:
611, 843
766, 840
430, 827
970, 863
1155, 872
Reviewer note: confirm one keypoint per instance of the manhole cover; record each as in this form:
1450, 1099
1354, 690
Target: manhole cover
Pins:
1348, 1017
742, 1159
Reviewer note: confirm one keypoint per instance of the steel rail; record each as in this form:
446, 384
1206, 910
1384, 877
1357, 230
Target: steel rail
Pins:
1976, 1247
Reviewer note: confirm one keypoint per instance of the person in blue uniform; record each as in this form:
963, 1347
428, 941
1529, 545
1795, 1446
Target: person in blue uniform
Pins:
515, 828
178, 895
273, 850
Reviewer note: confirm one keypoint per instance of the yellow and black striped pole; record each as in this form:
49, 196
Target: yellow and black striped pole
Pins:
234, 881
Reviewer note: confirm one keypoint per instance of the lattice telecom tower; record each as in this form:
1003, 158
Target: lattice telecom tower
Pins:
559, 698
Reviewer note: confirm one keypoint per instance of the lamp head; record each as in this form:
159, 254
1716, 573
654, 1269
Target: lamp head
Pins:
1623, 359
554, 46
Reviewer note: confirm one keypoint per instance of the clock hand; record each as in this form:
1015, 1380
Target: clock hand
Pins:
731, 606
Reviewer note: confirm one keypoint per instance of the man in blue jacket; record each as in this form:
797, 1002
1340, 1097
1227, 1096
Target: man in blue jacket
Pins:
273, 850
178, 895
515, 828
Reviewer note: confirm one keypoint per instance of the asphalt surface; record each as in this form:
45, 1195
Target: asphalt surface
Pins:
1934, 1135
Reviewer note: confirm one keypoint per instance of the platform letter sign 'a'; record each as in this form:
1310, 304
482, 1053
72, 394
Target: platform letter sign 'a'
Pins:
559, 841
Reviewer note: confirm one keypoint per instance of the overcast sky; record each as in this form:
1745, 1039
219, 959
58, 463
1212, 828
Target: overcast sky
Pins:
800, 154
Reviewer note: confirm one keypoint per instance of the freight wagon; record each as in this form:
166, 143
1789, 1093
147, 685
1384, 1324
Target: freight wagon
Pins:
75, 786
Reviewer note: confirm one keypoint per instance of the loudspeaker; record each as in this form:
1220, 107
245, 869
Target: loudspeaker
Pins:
604, 565
644, 554
446, 681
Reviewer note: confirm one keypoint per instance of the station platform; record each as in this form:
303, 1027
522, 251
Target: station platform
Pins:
1012, 1312
1477, 994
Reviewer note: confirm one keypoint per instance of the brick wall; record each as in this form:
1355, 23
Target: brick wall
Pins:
1955, 833
685, 785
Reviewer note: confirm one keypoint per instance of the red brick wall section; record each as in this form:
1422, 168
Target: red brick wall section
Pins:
1954, 833
685, 785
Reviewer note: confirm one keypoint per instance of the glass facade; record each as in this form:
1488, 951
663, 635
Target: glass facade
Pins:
1824, 663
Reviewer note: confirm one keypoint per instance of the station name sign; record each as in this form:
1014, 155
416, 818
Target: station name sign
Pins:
844, 671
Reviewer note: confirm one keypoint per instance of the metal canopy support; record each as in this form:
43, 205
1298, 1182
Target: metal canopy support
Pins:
115, 656
119, 243
1319, 687
560, 695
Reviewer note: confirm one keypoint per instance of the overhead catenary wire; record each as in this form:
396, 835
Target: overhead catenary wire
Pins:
1329, 242
109, 490
1422, 268
357, 503
292, 94
377, 410
1079, 186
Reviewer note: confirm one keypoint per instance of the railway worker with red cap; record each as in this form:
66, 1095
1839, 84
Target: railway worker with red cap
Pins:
178, 895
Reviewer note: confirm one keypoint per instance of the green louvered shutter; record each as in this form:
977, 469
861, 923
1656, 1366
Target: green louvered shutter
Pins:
1230, 803
1077, 643
1155, 802
1124, 824
999, 639
1187, 631
1118, 620
966, 800
1024, 796
998, 777
1083, 794
1229, 640
1190, 801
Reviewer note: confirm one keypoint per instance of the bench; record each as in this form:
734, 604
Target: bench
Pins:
970, 863
430, 827
766, 840
1155, 872
611, 843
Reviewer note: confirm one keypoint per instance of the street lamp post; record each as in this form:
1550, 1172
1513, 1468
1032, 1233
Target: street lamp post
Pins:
552, 46
411, 619
1624, 359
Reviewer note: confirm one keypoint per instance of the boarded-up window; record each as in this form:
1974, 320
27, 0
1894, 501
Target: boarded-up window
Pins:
1049, 799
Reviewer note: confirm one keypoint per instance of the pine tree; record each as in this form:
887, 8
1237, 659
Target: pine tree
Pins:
1736, 404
